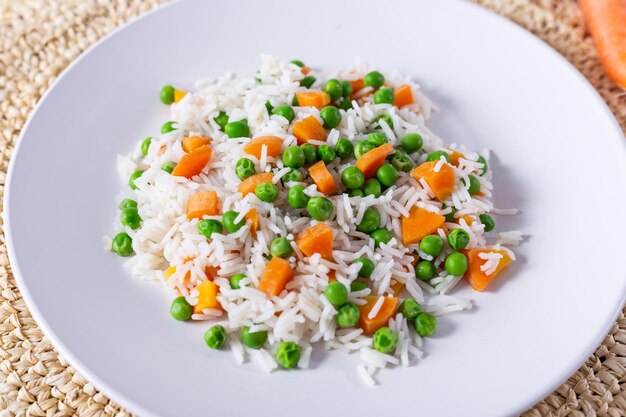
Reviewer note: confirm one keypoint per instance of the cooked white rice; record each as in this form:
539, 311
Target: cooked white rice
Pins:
301, 313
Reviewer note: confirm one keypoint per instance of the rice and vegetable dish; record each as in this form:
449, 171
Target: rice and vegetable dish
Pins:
297, 209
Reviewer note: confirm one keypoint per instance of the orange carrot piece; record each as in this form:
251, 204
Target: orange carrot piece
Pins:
248, 185
309, 129
403, 96
202, 203
441, 183
192, 142
313, 98
253, 216
397, 287
277, 274
255, 146
169, 272
387, 310
357, 85
369, 162
479, 279
332, 275
207, 297
317, 239
211, 271
606, 20
419, 224
193, 163
322, 178
305, 70
179, 95
468, 219
454, 158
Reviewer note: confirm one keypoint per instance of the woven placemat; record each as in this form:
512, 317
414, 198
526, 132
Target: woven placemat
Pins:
39, 38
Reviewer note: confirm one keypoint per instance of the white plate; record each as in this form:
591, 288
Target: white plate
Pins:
559, 157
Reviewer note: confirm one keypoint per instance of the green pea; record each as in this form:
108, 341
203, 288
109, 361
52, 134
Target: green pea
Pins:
357, 286
483, 161
168, 166
411, 142
266, 191
488, 222
244, 168
334, 89
168, 127
281, 248
310, 153
167, 94
237, 129
293, 157
215, 337
385, 340
348, 315
387, 175
367, 266
346, 88
352, 178
377, 138
346, 104
235, 281
297, 62
269, 107
361, 148
228, 219
474, 184
384, 96
410, 308
450, 216
133, 177
222, 120
374, 79
130, 218
307, 81
296, 197
458, 239
181, 309
356, 193
127, 203
370, 221
326, 153
381, 236
254, 340
294, 175
436, 156
320, 208
372, 187
336, 293
344, 148
285, 111
425, 324
425, 270
385, 118
288, 355
207, 227
331, 117
456, 264
432, 245
122, 244
145, 146
402, 161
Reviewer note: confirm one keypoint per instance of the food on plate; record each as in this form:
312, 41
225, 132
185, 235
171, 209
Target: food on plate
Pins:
297, 209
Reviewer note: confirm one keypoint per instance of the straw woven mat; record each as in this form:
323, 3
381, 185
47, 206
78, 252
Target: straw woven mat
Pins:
39, 38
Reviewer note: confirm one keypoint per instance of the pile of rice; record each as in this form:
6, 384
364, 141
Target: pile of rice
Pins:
167, 238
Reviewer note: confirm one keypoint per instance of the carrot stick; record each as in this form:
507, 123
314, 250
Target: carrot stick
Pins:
606, 20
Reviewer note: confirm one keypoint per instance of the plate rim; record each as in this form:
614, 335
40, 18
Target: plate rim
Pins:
139, 409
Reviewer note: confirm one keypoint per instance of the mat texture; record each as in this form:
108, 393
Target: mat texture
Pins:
39, 38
